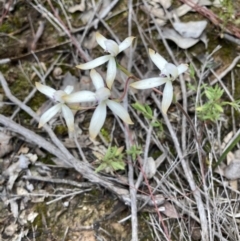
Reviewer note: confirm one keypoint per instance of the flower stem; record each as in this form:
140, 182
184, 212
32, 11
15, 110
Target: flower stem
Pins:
124, 70
130, 76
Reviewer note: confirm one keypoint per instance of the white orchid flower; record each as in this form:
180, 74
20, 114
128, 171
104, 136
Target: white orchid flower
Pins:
101, 95
114, 49
57, 96
169, 72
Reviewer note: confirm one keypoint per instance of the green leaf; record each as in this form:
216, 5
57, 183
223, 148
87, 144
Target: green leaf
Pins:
156, 124
134, 151
218, 107
118, 165
191, 87
231, 145
149, 110
101, 167
200, 108
112, 160
191, 71
145, 110
209, 93
139, 107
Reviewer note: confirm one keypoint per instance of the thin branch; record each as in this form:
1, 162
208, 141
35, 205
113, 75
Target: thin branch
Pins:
59, 181
226, 71
146, 153
32, 137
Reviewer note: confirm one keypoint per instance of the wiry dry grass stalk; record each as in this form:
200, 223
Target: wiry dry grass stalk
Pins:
188, 175
181, 154
206, 207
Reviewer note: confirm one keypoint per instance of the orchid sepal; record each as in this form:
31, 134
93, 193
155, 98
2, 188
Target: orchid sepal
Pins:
111, 72
97, 120
69, 89
80, 97
94, 63
157, 59
120, 111
96, 79
101, 40
182, 68
69, 117
44, 89
149, 83
48, 115
167, 97
126, 43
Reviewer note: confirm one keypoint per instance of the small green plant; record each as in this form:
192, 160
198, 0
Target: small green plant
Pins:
148, 113
213, 108
112, 160
228, 14
144, 109
134, 151
227, 11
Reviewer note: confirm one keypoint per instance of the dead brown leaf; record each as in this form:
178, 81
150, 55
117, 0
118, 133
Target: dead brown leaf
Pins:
11, 229
5, 145
170, 210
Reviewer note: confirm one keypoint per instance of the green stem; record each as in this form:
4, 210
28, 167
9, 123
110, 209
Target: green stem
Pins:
124, 70
232, 144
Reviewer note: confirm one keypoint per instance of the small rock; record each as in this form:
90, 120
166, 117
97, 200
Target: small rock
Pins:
232, 171
57, 72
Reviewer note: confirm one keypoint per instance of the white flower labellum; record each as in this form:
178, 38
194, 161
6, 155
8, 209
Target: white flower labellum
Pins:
114, 49
57, 96
169, 72
101, 96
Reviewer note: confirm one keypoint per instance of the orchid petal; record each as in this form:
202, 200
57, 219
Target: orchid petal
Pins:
49, 114
125, 43
171, 71
80, 96
119, 110
96, 79
59, 96
101, 40
157, 59
97, 120
112, 47
69, 89
102, 94
182, 68
167, 96
69, 118
46, 90
111, 72
94, 63
149, 83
